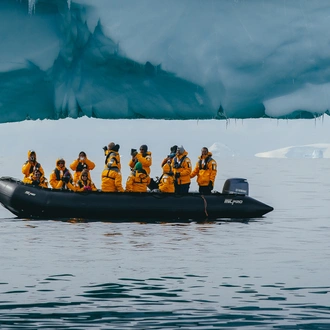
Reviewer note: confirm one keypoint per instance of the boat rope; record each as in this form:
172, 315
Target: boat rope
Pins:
205, 205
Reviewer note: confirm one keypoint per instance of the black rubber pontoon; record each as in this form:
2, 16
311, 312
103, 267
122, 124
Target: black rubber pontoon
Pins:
28, 201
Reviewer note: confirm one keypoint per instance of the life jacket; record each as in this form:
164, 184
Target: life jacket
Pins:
178, 164
81, 167
58, 173
112, 168
33, 167
206, 161
140, 177
113, 154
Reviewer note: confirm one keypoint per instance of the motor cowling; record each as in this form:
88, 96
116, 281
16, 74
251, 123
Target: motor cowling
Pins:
236, 186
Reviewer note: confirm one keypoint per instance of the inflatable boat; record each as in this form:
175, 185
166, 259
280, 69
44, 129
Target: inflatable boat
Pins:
28, 201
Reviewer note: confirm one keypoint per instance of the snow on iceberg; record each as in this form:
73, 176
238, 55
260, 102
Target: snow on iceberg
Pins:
305, 151
155, 59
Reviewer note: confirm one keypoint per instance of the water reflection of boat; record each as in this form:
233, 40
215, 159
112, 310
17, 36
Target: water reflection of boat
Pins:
27, 201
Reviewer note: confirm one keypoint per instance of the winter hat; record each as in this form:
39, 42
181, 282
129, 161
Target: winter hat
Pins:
116, 147
111, 145
173, 149
138, 166
144, 147
180, 150
82, 153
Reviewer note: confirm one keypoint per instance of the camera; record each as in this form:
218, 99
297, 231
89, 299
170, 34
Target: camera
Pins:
133, 152
32, 158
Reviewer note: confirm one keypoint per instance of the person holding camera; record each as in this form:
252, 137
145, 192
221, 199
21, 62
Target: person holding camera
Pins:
206, 171
144, 157
182, 169
80, 164
61, 177
110, 151
30, 166
111, 179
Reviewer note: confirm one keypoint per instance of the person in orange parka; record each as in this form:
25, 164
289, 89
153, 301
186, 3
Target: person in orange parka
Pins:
111, 179
85, 183
81, 163
206, 171
182, 169
37, 179
61, 177
30, 166
166, 183
112, 150
144, 157
138, 180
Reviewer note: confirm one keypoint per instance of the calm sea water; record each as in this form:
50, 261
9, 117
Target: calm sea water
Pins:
269, 273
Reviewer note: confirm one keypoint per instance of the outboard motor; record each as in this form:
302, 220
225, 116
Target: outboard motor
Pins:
236, 186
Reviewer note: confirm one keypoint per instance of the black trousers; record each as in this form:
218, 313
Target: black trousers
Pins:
182, 188
205, 190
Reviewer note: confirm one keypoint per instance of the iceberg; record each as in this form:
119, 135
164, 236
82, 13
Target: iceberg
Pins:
188, 59
318, 150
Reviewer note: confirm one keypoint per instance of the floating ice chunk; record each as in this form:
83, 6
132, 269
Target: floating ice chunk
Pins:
221, 150
304, 151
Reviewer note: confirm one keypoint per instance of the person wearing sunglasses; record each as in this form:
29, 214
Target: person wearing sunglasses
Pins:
85, 184
37, 179
61, 177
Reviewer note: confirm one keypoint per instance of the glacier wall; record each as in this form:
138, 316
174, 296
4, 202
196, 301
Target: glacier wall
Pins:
164, 59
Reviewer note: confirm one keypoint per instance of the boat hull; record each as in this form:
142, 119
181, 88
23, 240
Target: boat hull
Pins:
27, 201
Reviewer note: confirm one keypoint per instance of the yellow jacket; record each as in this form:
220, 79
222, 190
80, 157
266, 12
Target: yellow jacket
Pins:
111, 153
205, 169
137, 181
145, 161
181, 166
82, 185
166, 184
79, 165
111, 180
41, 183
55, 178
29, 166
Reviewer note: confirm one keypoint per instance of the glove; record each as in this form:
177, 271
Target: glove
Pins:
105, 148
37, 166
66, 179
177, 175
134, 152
210, 185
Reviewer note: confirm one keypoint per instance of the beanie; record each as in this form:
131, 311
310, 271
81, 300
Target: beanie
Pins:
138, 166
111, 145
180, 150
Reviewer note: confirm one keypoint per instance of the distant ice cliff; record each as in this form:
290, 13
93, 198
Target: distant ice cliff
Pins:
164, 59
